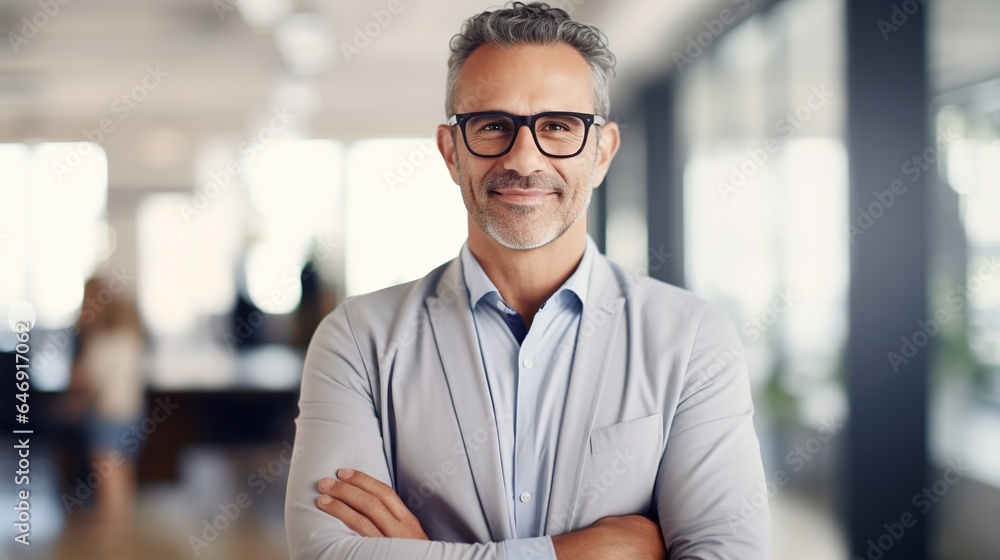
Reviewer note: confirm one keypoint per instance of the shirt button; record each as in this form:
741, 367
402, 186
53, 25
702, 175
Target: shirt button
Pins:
501, 306
527, 363
525, 497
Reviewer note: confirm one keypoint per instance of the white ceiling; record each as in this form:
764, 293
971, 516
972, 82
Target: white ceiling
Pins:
222, 71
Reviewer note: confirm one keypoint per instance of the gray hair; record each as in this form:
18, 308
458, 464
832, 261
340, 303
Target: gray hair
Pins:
535, 24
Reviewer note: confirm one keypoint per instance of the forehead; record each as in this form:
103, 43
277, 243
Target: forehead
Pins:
525, 78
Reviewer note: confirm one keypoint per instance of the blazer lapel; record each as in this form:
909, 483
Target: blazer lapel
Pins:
594, 341
455, 337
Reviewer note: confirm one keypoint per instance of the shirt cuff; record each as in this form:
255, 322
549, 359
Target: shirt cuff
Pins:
537, 548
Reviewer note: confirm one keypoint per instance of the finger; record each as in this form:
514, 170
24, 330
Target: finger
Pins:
354, 520
375, 486
361, 501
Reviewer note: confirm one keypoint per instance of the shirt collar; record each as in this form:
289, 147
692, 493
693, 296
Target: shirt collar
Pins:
479, 284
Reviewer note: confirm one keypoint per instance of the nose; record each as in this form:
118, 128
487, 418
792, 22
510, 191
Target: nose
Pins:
524, 157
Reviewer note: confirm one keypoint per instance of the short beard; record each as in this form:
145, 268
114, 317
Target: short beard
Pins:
511, 179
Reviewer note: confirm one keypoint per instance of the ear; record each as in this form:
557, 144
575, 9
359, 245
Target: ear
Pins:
446, 145
606, 150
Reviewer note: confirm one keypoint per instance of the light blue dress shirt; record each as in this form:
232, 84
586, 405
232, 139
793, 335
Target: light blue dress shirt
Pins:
658, 387
528, 374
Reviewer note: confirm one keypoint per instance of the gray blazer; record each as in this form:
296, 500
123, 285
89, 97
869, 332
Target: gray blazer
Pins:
658, 421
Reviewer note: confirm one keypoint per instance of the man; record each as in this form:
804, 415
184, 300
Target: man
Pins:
529, 398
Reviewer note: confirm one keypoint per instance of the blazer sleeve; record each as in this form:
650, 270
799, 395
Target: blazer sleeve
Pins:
711, 466
338, 426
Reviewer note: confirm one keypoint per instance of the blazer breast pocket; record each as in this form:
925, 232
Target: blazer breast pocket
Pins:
645, 430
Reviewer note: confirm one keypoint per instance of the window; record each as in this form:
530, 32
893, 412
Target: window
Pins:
765, 188
404, 215
53, 235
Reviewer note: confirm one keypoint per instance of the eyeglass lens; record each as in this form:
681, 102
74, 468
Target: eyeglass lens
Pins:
558, 135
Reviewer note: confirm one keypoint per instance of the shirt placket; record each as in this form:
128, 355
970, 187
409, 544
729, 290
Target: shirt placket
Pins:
526, 461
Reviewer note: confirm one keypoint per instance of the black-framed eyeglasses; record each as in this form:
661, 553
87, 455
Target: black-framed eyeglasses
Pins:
558, 134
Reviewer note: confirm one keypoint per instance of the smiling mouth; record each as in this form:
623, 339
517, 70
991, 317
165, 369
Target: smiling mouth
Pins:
522, 197
523, 193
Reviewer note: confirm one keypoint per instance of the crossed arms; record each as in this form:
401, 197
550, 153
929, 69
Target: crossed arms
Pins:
698, 489
372, 508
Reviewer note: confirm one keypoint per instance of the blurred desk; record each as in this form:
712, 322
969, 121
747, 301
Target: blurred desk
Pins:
231, 418
177, 420
181, 365
203, 396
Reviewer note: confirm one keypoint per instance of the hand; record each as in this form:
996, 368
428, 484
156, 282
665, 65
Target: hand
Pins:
368, 506
627, 537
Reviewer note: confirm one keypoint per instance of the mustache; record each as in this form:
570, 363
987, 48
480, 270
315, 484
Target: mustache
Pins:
513, 180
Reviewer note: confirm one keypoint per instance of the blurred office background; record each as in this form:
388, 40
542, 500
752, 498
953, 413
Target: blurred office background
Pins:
827, 171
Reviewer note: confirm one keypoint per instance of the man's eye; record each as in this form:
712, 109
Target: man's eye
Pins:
558, 126
494, 127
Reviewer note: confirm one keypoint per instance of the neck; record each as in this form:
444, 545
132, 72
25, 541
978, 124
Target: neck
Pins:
527, 278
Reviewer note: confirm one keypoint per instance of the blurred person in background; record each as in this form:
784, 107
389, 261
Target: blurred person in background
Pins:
462, 414
106, 393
